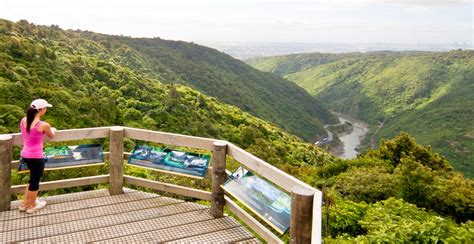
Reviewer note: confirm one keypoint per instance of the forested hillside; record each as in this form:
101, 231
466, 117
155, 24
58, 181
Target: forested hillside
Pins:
289, 64
401, 192
217, 74
427, 94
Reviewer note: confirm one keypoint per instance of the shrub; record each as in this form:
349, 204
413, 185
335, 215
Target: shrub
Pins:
367, 184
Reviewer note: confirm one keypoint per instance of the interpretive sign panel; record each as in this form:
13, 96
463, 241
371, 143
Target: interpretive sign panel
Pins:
66, 156
193, 164
267, 201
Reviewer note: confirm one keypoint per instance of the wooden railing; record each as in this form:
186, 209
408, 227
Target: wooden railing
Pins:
305, 225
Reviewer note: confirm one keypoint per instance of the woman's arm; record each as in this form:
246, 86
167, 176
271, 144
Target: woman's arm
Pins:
48, 130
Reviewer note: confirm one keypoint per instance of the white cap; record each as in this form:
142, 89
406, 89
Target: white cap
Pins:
40, 104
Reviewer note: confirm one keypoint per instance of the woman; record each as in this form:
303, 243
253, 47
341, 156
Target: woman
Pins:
32, 131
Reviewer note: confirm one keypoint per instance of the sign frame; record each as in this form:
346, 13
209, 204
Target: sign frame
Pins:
23, 168
244, 172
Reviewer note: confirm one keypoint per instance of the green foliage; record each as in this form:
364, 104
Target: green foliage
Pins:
405, 146
393, 220
288, 64
367, 184
415, 180
333, 168
218, 75
420, 177
344, 218
401, 169
453, 196
379, 175
9, 115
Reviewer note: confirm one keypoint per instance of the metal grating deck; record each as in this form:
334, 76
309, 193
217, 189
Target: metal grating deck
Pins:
95, 216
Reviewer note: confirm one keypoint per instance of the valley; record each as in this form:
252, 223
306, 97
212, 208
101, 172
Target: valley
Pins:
426, 94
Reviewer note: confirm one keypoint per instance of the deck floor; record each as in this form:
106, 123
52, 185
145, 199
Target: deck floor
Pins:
95, 216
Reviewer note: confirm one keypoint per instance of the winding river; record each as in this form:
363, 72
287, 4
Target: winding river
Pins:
352, 140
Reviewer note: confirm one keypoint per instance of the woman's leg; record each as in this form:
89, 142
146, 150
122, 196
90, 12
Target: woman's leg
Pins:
32, 195
36, 167
24, 204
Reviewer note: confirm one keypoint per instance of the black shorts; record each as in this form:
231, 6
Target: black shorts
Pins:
36, 167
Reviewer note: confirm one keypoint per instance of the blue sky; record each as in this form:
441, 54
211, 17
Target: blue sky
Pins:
312, 21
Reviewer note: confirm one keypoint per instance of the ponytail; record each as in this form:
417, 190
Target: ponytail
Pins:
30, 116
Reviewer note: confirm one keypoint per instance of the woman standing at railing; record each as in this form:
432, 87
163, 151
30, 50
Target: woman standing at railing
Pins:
32, 131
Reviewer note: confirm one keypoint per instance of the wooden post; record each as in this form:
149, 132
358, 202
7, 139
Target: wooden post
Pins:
301, 215
218, 177
5, 171
116, 161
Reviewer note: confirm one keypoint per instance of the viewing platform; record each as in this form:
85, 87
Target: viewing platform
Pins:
120, 214
135, 216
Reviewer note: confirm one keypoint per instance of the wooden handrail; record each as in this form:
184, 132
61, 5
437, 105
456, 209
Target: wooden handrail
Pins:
265, 169
169, 138
70, 135
116, 179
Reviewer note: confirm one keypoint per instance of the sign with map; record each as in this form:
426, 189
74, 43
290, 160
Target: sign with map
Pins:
157, 158
66, 156
268, 202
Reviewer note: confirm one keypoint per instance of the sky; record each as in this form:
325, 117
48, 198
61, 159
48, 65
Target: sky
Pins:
276, 21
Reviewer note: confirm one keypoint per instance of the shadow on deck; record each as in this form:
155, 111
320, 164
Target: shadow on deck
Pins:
95, 216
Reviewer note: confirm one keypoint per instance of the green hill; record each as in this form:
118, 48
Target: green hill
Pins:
427, 94
216, 74
91, 84
289, 64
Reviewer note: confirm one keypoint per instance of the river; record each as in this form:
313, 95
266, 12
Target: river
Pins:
352, 140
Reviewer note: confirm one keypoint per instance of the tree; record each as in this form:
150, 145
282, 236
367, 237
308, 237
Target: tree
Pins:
405, 146
367, 184
394, 220
415, 180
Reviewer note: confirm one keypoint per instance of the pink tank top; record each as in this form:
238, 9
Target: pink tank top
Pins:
32, 142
